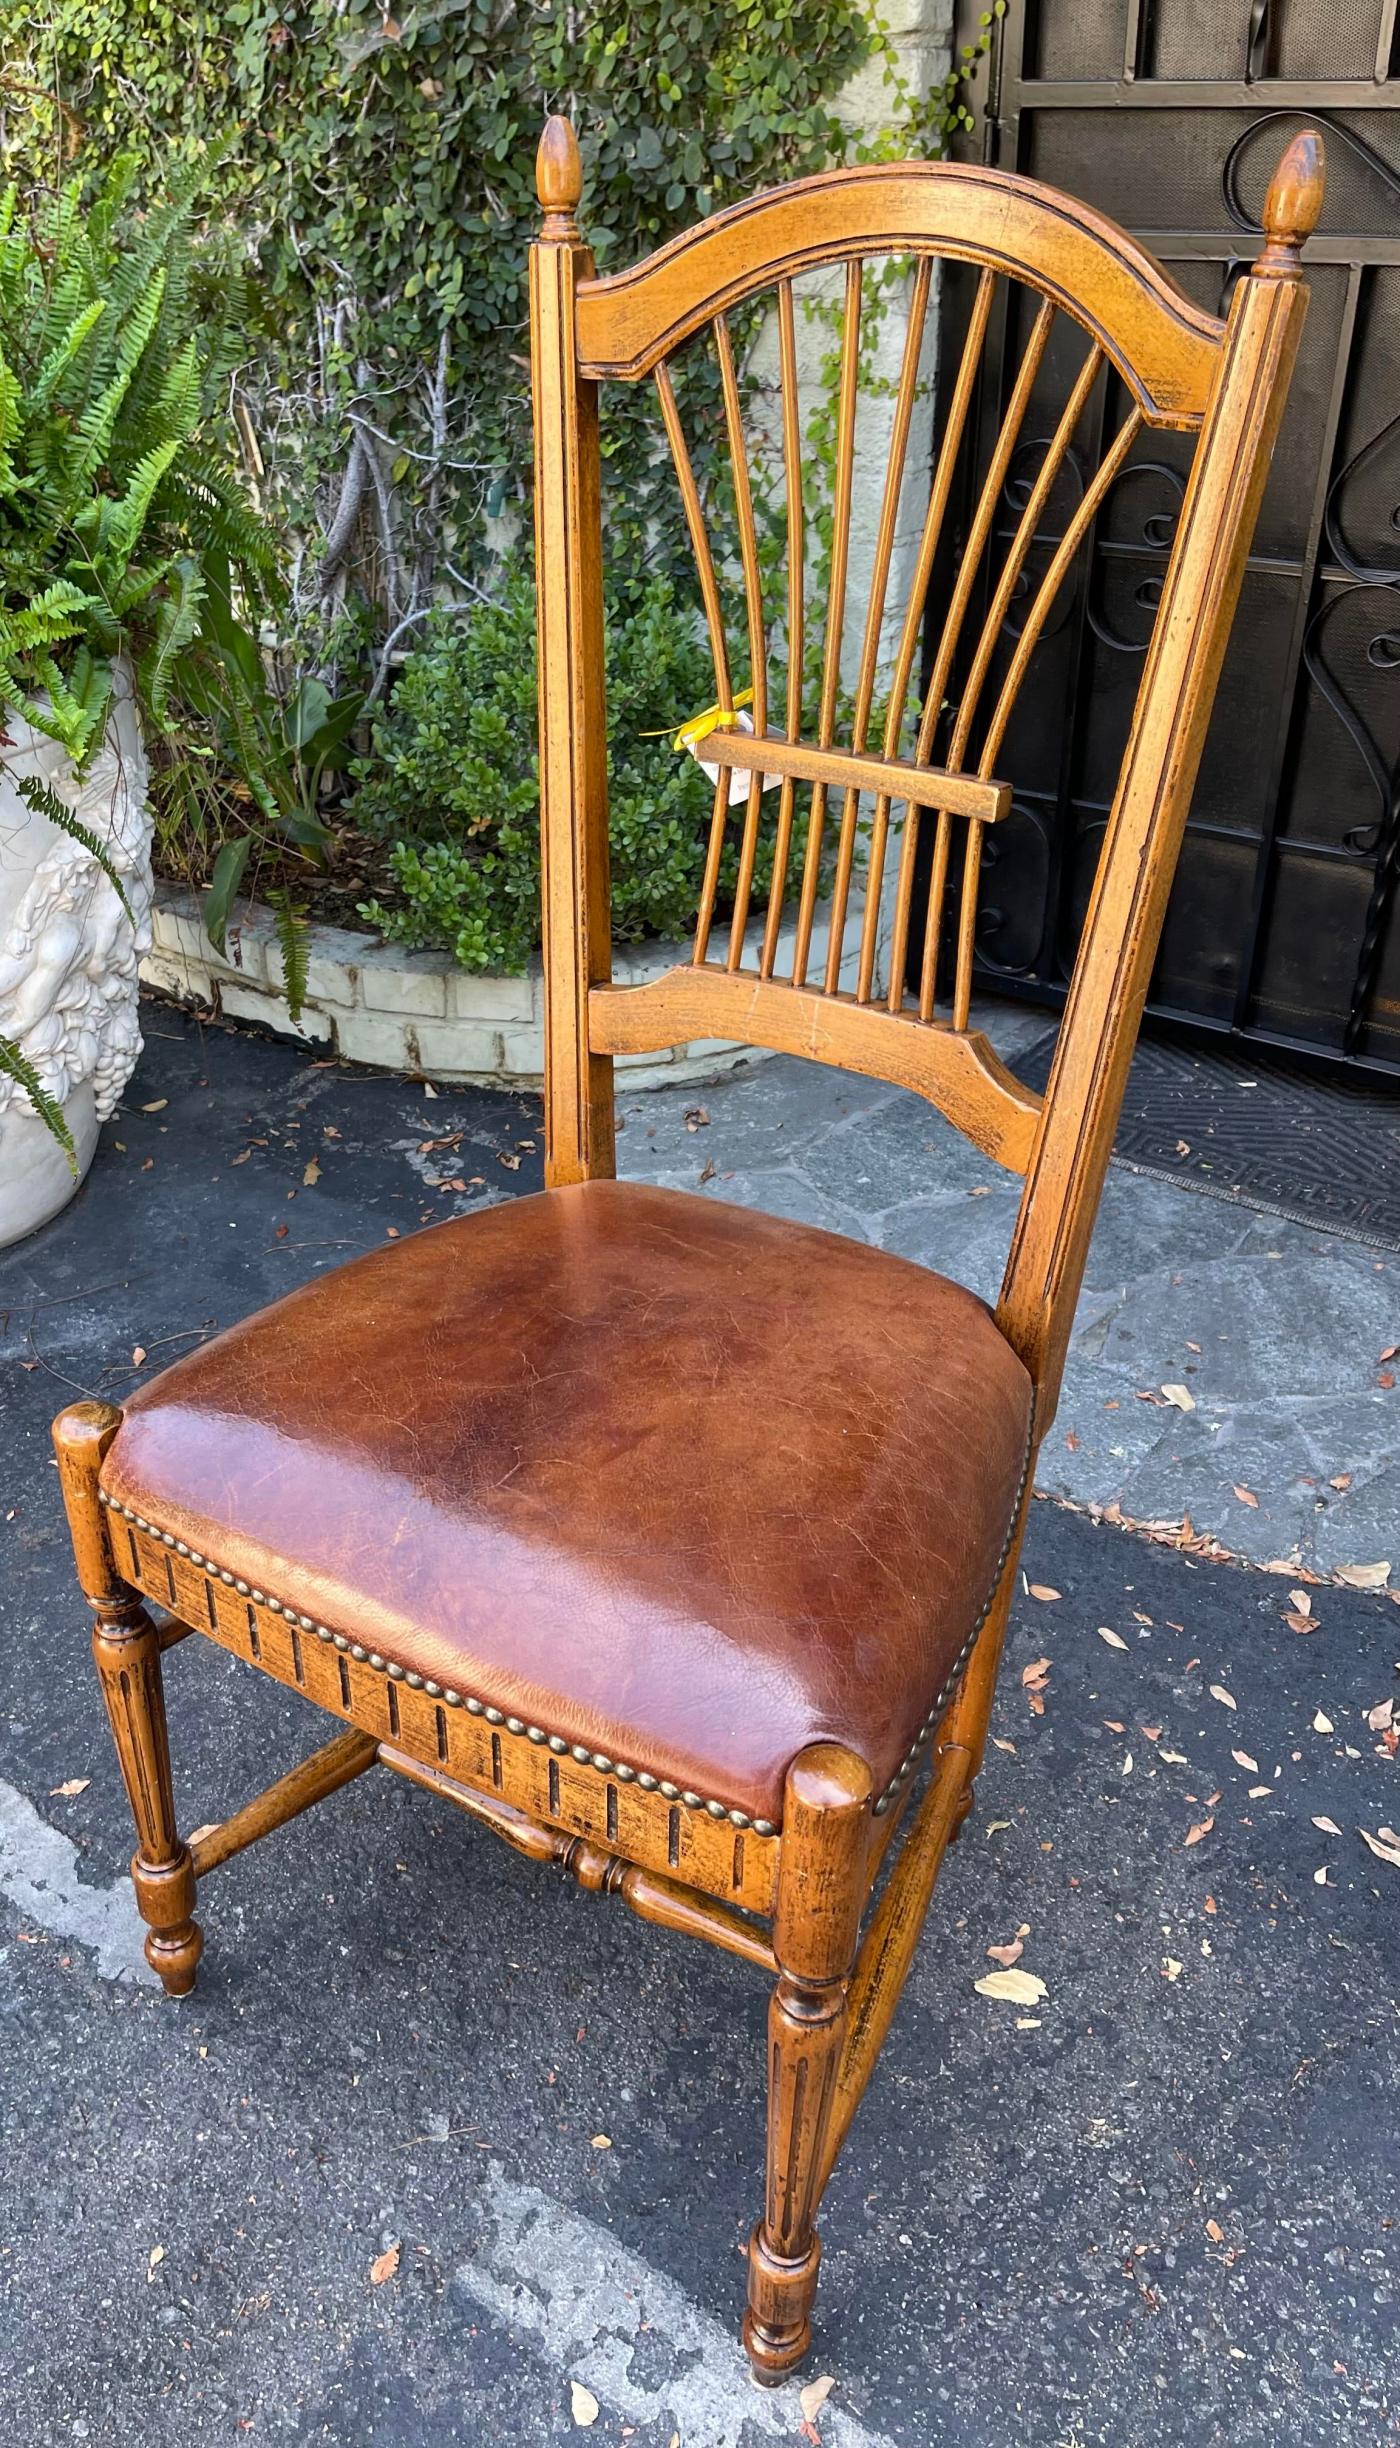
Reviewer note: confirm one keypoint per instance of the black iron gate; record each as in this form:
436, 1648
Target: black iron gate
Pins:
1169, 115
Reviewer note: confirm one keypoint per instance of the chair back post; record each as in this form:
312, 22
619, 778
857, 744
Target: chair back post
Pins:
579, 1126
1074, 1139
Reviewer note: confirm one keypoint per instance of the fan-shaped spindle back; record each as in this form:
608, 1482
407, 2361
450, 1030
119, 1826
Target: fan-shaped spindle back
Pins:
818, 865
1141, 339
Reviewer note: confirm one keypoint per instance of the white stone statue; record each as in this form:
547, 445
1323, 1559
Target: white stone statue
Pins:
68, 951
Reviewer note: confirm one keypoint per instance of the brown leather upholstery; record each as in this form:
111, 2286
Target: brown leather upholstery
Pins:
687, 1484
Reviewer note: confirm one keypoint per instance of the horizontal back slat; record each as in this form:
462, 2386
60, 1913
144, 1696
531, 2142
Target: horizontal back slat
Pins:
957, 1072
896, 777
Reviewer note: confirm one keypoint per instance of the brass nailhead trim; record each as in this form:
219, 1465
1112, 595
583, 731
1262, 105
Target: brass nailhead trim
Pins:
950, 1680
597, 1760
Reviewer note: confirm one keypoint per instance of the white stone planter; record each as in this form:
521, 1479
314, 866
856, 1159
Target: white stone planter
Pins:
69, 953
400, 1011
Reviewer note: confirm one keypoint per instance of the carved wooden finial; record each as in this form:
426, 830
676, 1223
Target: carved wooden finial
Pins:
558, 176
1292, 205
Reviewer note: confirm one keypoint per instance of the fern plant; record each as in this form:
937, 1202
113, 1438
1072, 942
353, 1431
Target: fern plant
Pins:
112, 499
118, 512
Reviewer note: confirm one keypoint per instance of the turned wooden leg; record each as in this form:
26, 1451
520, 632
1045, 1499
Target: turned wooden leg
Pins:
126, 1650
821, 1891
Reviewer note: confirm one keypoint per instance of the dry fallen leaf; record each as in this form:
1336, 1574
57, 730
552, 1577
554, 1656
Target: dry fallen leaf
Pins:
1341, 1483
138, 1354
601, 2142
1246, 1497
385, 2266
1036, 1672
1243, 1760
583, 2405
1042, 1589
1257, 1792
1329, 1827
1007, 1955
1202, 1827
1215, 2231
1114, 1639
1362, 1576
814, 2396
1181, 1396
1171, 1969
505, 1157
1300, 1599
71, 1786
1000, 1743
311, 1174
1383, 1852
1018, 1988
1218, 1692
1377, 1718
1174, 1759
1320, 1876
1323, 1724
157, 1105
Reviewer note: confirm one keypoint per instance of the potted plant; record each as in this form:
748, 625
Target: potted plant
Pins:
116, 517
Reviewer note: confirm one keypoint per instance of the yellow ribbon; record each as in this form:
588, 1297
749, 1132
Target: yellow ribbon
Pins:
700, 726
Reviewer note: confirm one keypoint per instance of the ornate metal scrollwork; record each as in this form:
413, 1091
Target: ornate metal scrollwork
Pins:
1379, 841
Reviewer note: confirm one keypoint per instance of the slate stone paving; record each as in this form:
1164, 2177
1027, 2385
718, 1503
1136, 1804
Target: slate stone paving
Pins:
1278, 1333
1157, 2210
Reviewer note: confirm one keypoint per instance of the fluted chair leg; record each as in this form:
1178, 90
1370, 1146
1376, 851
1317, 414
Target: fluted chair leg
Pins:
126, 1651
821, 1888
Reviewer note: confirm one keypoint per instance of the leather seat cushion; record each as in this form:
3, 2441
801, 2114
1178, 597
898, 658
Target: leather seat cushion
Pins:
687, 1484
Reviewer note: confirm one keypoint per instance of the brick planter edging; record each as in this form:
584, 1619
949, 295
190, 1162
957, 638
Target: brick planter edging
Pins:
397, 1010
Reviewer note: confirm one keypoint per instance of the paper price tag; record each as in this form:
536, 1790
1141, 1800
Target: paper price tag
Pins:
738, 777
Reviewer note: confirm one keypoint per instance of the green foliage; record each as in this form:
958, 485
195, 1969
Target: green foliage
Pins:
110, 497
376, 176
45, 802
453, 782
282, 745
380, 172
292, 937
15, 1065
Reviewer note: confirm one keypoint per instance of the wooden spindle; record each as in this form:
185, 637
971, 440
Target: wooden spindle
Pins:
1056, 568
874, 622
699, 534
835, 607
1021, 541
796, 641
1060, 561
714, 859
714, 622
753, 606
970, 695
968, 567
949, 449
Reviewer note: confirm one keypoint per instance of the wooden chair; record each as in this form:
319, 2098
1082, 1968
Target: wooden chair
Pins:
667, 1539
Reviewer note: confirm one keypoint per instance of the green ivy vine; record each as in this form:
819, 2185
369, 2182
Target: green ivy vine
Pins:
377, 171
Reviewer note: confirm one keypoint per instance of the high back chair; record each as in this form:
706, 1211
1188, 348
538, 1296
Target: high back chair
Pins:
671, 1541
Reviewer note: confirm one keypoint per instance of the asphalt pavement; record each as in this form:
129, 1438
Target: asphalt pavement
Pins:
439, 2137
